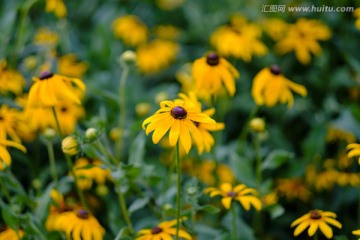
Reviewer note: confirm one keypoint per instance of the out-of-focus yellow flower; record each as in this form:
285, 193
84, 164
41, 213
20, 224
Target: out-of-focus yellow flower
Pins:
246, 196
212, 73
302, 38
115, 134
164, 230
293, 188
68, 115
9, 119
167, 32
239, 39
270, 199
316, 219
270, 86
357, 16
324, 180
276, 28
7, 233
208, 170
57, 206
357, 232
44, 36
257, 125
57, 7
68, 65
156, 55
142, 109
88, 171
354, 150
168, 5
10, 80
161, 96
5, 158
335, 134
51, 89
130, 29
348, 179
70, 145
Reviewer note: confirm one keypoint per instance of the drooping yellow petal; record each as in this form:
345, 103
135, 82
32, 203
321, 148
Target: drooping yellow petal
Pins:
325, 229
226, 202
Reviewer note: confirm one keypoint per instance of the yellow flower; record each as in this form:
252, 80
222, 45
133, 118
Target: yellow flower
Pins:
356, 232
208, 170
293, 188
276, 28
164, 230
130, 29
354, 150
57, 7
70, 145
270, 87
51, 89
240, 39
45, 36
177, 117
212, 73
68, 65
156, 55
302, 38
7, 233
168, 5
5, 158
270, 199
316, 219
79, 224
246, 196
324, 180
357, 15
348, 179
168, 32
142, 109
10, 80
335, 134
89, 170
9, 120
68, 115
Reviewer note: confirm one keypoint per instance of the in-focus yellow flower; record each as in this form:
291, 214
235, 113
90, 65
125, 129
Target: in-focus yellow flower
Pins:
57, 7
276, 28
177, 117
270, 86
239, 39
79, 224
44, 36
246, 196
51, 89
357, 16
88, 171
7, 233
130, 29
303, 37
5, 158
9, 120
10, 80
316, 219
70, 145
165, 230
68, 65
156, 55
212, 73
293, 188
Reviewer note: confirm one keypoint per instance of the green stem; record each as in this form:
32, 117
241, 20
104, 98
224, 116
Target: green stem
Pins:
245, 130
106, 154
258, 162
122, 105
123, 208
5, 191
359, 206
178, 197
316, 236
233, 219
50, 149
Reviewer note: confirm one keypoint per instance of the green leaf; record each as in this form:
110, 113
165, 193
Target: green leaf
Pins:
90, 150
137, 150
276, 211
123, 234
276, 158
209, 209
138, 204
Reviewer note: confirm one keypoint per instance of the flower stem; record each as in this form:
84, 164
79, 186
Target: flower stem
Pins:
70, 165
233, 220
50, 149
245, 130
122, 204
258, 162
122, 104
178, 197
316, 236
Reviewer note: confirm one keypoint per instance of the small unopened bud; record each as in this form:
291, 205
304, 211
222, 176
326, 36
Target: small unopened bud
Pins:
49, 134
70, 145
128, 57
91, 134
161, 96
115, 134
37, 184
192, 191
102, 190
257, 125
142, 109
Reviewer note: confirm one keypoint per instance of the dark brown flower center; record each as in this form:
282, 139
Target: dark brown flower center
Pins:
63, 109
45, 75
83, 214
314, 214
178, 112
275, 69
231, 194
1, 118
156, 230
212, 59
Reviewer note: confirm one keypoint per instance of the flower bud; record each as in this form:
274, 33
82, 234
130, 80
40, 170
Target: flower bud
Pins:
142, 109
128, 57
161, 96
91, 134
70, 145
102, 190
257, 125
49, 134
115, 134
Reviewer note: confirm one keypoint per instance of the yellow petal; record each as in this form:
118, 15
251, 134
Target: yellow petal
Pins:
302, 226
226, 202
325, 229
174, 133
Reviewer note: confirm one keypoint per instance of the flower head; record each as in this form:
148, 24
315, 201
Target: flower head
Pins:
68, 65
9, 120
316, 219
7, 233
177, 117
302, 38
164, 230
44, 36
51, 89
10, 80
130, 29
212, 73
5, 158
57, 7
270, 86
354, 150
357, 15
293, 188
246, 196
276, 28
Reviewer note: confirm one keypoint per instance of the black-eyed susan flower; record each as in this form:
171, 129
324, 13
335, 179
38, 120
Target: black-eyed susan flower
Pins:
9, 120
7, 233
5, 158
177, 117
212, 73
57, 7
45, 37
68, 115
354, 150
79, 224
321, 180
241, 193
208, 171
357, 16
276, 28
156, 55
270, 86
10, 80
68, 65
348, 179
51, 89
239, 39
316, 219
164, 230
130, 29
168, 32
337, 134
293, 188
302, 38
